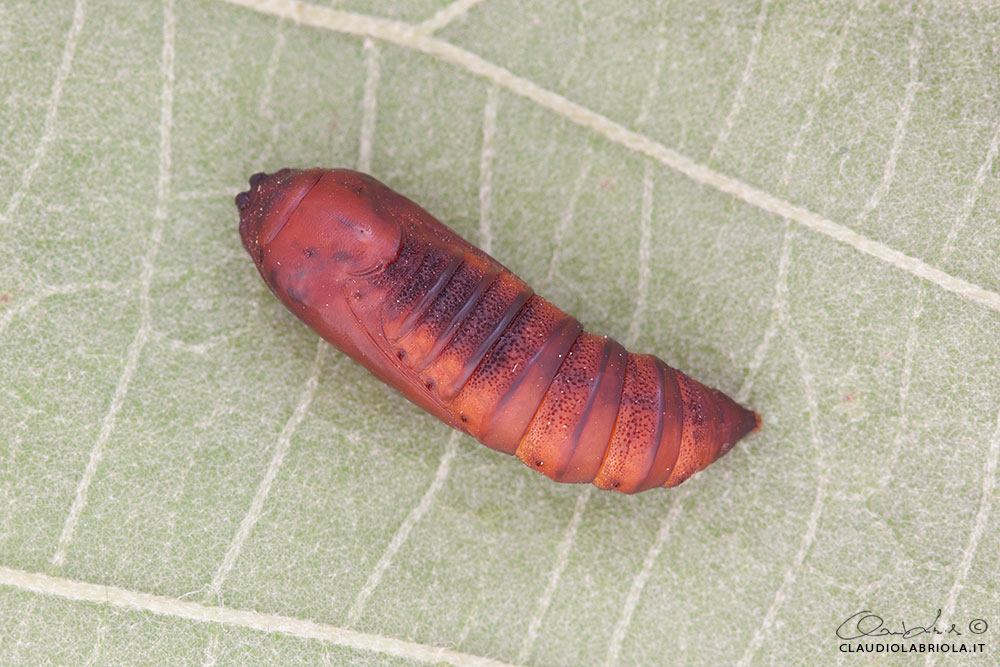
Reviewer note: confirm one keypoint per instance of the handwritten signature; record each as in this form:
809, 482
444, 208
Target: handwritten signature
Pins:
867, 623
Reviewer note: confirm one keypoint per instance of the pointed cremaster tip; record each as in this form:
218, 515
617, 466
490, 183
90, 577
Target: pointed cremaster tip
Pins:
744, 422
736, 422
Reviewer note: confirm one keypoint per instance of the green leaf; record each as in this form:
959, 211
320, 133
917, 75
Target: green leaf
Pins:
795, 203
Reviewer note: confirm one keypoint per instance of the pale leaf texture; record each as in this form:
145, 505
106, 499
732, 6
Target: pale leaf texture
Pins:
793, 202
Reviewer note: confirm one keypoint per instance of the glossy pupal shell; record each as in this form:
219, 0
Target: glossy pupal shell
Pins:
464, 338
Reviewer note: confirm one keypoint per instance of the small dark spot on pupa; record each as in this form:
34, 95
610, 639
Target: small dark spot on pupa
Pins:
464, 418
309, 252
357, 294
429, 384
400, 354
296, 294
538, 463
615, 484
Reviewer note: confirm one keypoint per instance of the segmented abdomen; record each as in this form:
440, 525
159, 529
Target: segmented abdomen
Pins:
523, 378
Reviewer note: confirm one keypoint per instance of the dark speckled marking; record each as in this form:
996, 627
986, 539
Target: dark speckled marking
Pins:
398, 274
498, 398
550, 438
637, 432
461, 316
416, 297
466, 340
699, 433
476, 329
434, 326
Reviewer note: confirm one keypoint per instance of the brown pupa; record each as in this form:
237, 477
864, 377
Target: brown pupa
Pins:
462, 337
